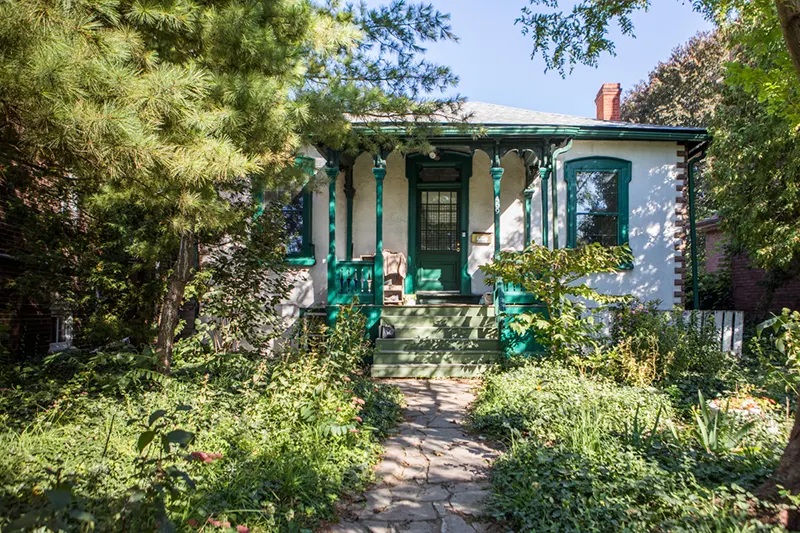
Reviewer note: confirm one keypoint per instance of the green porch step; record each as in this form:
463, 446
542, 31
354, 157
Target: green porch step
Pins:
450, 357
439, 310
440, 321
422, 344
438, 332
429, 370
458, 341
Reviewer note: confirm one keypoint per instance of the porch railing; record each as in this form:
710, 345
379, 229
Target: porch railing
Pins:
355, 279
516, 295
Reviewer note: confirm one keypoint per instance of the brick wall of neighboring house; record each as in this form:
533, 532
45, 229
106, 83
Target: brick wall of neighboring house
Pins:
748, 284
28, 325
750, 293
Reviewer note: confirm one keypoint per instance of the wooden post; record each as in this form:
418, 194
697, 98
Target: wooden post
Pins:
333, 173
380, 173
528, 200
497, 174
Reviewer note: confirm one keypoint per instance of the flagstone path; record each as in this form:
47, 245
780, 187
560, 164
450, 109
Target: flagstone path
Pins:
434, 477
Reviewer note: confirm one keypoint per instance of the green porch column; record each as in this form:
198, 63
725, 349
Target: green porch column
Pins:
497, 174
380, 174
544, 173
333, 173
528, 201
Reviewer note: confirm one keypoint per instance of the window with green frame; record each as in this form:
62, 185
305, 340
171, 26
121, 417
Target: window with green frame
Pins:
297, 210
597, 201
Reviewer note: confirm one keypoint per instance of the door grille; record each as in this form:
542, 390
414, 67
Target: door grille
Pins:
439, 221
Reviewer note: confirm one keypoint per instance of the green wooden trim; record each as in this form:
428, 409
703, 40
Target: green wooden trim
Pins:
414, 164
333, 173
528, 193
301, 261
623, 168
466, 279
576, 132
499, 295
307, 246
380, 174
497, 174
411, 260
544, 173
554, 159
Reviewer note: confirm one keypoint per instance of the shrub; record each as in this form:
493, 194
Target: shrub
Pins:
554, 489
590, 455
276, 442
554, 277
648, 345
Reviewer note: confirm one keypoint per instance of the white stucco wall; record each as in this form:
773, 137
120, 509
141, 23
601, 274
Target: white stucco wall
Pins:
481, 211
651, 222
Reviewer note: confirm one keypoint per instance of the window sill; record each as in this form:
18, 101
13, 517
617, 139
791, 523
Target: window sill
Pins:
302, 261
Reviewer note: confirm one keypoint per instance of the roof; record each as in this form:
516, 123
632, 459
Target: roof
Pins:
514, 121
494, 114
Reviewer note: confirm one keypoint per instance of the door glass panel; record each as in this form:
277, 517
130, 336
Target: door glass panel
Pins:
439, 221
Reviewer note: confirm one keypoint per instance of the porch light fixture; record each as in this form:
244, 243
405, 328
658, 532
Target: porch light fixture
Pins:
434, 154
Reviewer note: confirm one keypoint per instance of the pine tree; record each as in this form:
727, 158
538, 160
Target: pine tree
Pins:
174, 106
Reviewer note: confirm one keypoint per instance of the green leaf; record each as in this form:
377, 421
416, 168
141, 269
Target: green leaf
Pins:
180, 437
59, 498
155, 416
145, 438
82, 516
28, 521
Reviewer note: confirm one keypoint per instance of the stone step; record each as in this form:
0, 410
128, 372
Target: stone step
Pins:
438, 332
429, 370
440, 310
440, 320
440, 357
429, 344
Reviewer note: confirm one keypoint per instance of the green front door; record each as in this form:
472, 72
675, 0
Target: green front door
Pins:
439, 240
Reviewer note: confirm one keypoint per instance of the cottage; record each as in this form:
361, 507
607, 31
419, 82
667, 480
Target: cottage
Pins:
435, 218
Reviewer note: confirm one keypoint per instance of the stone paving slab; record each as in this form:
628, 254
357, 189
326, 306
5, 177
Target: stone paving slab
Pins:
434, 476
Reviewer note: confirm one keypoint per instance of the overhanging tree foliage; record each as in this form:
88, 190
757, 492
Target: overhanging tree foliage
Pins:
754, 172
176, 107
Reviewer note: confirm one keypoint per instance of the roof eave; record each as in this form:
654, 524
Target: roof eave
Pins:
576, 132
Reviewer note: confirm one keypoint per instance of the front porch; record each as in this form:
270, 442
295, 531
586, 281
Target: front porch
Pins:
431, 316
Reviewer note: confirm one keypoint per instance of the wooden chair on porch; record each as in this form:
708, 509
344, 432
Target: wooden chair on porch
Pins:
395, 268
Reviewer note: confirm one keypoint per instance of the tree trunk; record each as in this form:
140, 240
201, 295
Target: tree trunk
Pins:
172, 300
789, 16
788, 473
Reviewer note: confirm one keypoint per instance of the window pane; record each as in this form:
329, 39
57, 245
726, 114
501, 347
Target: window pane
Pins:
597, 228
294, 224
596, 192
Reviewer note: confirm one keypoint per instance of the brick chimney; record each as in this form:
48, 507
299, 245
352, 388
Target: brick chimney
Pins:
607, 101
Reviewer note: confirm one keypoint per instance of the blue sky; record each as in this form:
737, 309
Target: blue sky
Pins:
493, 58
